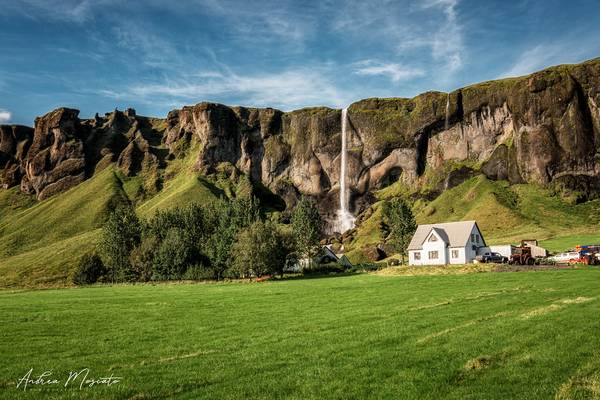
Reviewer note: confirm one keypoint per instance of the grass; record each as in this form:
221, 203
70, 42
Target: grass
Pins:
505, 214
76, 211
525, 335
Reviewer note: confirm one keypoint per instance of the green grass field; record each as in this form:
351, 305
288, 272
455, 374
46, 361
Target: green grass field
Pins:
527, 335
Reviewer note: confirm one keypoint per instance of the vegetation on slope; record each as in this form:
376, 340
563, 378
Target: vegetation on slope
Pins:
505, 213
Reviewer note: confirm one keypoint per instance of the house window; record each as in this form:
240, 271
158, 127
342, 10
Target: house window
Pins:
432, 238
477, 238
454, 253
417, 255
433, 255
473, 237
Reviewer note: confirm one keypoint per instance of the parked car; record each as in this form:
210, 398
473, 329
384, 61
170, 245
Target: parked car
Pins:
492, 257
569, 257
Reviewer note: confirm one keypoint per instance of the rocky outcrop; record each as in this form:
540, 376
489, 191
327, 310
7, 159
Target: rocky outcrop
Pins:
14, 144
543, 128
62, 150
55, 161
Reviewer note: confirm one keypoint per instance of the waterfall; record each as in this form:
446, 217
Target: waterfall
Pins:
447, 112
345, 219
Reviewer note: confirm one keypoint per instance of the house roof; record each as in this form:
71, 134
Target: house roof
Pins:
455, 234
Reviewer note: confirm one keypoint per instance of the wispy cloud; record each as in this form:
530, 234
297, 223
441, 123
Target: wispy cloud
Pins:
396, 72
264, 21
447, 42
430, 29
5, 116
288, 89
545, 55
78, 11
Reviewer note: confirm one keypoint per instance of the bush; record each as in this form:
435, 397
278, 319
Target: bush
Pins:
365, 267
89, 270
199, 273
324, 269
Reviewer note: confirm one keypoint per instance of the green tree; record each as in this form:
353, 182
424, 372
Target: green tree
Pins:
227, 218
173, 256
120, 235
258, 250
89, 270
400, 223
142, 257
307, 225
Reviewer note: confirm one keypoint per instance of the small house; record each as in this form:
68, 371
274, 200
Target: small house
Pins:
446, 243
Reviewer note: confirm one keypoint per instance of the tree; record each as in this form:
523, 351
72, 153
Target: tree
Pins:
173, 256
120, 235
227, 218
89, 270
257, 250
400, 222
306, 228
142, 257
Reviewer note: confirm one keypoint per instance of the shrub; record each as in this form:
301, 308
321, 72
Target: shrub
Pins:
324, 269
365, 267
89, 270
198, 273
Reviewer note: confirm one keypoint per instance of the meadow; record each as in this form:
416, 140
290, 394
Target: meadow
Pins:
521, 335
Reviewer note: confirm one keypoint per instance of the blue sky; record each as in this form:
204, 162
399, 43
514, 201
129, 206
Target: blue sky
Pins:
154, 55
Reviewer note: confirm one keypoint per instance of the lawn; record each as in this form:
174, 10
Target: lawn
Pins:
528, 335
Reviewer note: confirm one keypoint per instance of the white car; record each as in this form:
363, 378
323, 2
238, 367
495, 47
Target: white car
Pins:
571, 256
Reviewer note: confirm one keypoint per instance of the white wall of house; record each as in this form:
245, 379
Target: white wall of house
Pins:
457, 255
434, 251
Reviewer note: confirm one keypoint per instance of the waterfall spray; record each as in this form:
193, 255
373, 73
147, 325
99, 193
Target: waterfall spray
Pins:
345, 220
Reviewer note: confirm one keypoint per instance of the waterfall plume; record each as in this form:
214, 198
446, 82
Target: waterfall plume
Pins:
345, 219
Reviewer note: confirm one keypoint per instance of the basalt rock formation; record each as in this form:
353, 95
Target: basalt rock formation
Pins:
543, 128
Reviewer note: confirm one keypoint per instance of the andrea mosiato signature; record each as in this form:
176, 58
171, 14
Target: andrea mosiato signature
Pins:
80, 379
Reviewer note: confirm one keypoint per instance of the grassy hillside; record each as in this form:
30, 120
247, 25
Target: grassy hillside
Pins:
79, 210
506, 214
40, 242
526, 335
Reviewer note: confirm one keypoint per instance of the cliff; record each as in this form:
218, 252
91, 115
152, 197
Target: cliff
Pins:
543, 128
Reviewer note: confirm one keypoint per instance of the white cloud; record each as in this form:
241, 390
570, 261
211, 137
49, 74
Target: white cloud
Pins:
289, 89
432, 26
5, 116
78, 11
545, 55
396, 72
530, 61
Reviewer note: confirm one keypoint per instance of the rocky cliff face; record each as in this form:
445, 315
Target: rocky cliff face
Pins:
543, 128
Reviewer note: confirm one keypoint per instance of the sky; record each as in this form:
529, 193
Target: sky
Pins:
155, 55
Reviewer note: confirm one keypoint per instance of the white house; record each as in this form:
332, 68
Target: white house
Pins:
447, 243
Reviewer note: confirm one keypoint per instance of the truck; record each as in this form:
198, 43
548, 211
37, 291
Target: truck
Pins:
522, 256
